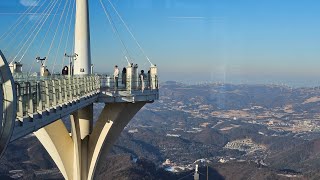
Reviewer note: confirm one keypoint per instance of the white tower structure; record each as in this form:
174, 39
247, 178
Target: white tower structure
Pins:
82, 65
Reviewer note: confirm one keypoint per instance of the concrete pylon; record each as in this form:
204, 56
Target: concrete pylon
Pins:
77, 158
112, 120
82, 65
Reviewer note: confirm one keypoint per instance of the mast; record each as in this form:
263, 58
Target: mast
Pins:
82, 66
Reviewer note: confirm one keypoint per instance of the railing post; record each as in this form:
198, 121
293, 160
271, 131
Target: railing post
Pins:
91, 83
98, 83
74, 87
19, 97
60, 100
65, 91
78, 88
81, 86
88, 84
153, 76
34, 96
29, 93
70, 88
39, 96
54, 95
24, 94
85, 85
47, 94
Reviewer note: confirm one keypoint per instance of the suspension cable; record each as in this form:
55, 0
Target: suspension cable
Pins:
46, 34
12, 40
70, 22
54, 36
19, 20
29, 33
34, 37
32, 32
128, 29
63, 29
116, 32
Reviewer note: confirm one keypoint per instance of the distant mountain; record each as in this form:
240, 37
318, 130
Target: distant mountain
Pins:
210, 136
245, 131
251, 170
303, 157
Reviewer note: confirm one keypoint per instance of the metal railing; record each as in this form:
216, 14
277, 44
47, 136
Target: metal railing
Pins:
36, 94
110, 83
39, 94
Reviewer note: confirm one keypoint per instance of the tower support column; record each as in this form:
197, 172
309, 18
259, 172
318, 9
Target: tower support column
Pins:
111, 122
80, 158
56, 140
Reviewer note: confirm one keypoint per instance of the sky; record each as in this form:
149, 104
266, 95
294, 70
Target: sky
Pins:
257, 41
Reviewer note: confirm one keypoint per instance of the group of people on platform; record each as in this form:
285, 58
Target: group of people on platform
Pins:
65, 71
144, 80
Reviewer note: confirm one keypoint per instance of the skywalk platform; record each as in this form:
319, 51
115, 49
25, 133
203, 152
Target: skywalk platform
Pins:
43, 100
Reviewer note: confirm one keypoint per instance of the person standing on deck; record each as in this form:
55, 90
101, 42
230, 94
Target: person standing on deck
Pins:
65, 70
46, 73
149, 80
124, 76
116, 76
142, 78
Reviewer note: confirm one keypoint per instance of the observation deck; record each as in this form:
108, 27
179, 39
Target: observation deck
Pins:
42, 100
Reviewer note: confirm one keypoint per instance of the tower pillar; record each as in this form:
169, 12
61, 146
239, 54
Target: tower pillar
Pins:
77, 158
82, 66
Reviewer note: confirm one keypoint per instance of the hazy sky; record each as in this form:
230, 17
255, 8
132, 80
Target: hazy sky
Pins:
206, 40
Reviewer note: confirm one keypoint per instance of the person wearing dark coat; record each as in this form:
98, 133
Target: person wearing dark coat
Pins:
65, 70
124, 76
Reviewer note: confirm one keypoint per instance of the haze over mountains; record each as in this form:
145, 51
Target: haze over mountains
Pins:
241, 131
